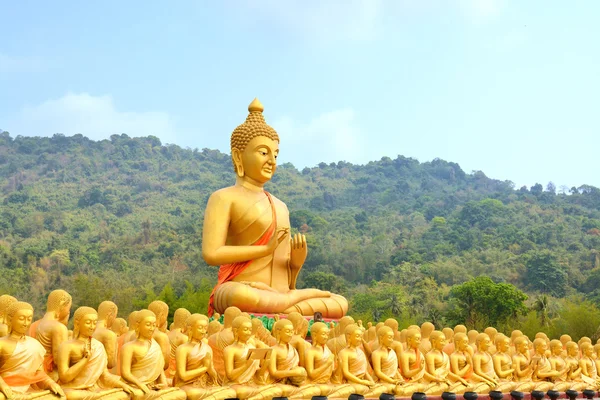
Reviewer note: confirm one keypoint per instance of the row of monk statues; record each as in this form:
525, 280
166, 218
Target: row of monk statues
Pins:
104, 356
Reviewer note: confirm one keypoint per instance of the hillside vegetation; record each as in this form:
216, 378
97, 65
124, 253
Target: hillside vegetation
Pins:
121, 219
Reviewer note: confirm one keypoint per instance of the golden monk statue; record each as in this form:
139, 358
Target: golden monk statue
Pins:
177, 336
22, 375
195, 374
338, 342
246, 232
385, 361
298, 339
51, 331
243, 372
562, 381
119, 326
82, 363
461, 364
589, 373
523, 366
354, 367
5, 301
543, 374
161, 310
320, 363
225, 337
412, 363
503, 364
142, 363
439, 375
284, 364
107, 312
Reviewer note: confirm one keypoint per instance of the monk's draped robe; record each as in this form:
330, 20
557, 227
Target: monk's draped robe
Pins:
442, 372
292, 385
46, 341
170, 372
359, 366
592, 380
24, 368
324, 379
94, 381
542, 365
249, 384
504, 385
218, 342
204, 386
389, 366
148, 370
524, 383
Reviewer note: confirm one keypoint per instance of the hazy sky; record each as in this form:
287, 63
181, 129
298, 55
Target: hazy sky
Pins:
507, 87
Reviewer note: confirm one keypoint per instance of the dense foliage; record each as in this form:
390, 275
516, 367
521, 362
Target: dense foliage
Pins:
122, 219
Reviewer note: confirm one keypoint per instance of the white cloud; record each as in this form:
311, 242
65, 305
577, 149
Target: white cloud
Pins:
326, 21
330, 137
93, 116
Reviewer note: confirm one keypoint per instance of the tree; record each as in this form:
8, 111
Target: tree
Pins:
544, 273
480, 302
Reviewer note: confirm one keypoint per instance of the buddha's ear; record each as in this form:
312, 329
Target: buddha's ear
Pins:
236, 156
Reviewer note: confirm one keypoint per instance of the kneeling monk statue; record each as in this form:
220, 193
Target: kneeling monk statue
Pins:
246, 232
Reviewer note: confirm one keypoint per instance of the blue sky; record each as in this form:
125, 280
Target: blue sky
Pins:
510, 88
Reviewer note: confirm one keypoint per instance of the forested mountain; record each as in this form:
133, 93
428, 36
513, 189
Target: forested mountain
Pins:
122, 219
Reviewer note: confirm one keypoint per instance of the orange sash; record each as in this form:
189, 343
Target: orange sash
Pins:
21, 380
228, 272
48, 363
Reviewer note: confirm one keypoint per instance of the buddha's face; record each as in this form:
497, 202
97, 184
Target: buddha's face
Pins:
503, 345
522, 347
259, 159
322, 336
484, 343
244, 331
146, 327
286, 332
541, 347
588, 351
198, 330
462, 344
439, 343
556, 349
387, 339
87, 325
572, 350
21, 321
414, 340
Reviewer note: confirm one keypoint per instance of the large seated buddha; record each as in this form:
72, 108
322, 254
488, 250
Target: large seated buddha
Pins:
247, 233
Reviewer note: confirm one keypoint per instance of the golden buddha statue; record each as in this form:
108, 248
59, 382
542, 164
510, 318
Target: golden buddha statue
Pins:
195, 374
472, 335
353, 365
589, 373
22, 375
298, 341
161, 310
246, 232
491, 332
225, 337
338, 342
427, 329
385, 360
82, 363
543, 374
564, 339
503, 364
523, 365
243, 372
5, 301
51, 331
143, 364
284, 365
597, 356
462, 365
177, 336
438, 366
320, 363
562, 380
575, 369
107, 312
412, 363
214, 326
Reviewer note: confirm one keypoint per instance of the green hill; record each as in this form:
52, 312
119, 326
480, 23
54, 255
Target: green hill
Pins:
122, 219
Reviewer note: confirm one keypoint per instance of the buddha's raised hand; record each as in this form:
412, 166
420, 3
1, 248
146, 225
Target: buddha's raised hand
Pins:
299, 251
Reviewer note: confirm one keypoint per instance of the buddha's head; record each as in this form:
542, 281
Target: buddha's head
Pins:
564, 339
196, 326
319, 332
296, 318
392, 323
521, 344
18, 317
107, 311
386, 336
161, 310
214, 327
231, 313
413, 338
491, 332
146, 324
283, 330
461, 341
572, 349
256, 324
540, 346
242, 328
472, 335
597, 349
119, 326
180, 317
587, 349
59, 302
5, 301
515, 334
502, 343
438, 340
255, 147
84, 322
426, 329
584, 339
460, 329
353, 335
556, 347
132, 320
483, 342
449, 333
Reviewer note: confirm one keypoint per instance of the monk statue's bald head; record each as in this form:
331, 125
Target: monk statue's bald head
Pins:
231, 313
392, 323
5, 301
57, 300
427, 328
180, 317
78, 316
13, 310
